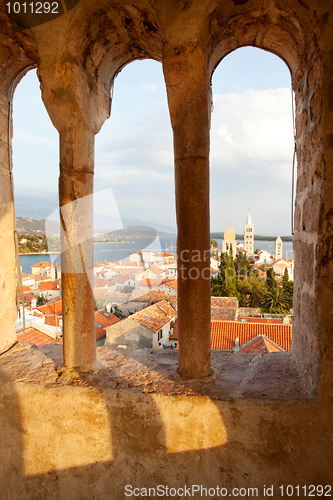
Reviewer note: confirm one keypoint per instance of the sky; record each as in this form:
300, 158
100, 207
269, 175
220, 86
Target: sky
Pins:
251, 146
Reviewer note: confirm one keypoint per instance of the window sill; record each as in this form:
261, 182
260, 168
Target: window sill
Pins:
245, 377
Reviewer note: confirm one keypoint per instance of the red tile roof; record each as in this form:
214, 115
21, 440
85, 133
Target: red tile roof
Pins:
152, 297
223, 334
128, 263
173, 284
156, 270
155, 316
152, 283
49, 285
260, 344
43, 264
122, 278
103, 318
34, 336
52, 307
101, 282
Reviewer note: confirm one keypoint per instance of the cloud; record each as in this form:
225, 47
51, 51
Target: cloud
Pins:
34, 139
251, 155
135, 177
149, 87
251, 158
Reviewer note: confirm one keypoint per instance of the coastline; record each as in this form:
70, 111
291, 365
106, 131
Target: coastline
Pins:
38, 253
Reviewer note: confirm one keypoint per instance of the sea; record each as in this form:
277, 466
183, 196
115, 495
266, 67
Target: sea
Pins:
110, 252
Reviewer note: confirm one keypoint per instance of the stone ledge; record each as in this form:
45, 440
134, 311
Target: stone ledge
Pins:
260, 377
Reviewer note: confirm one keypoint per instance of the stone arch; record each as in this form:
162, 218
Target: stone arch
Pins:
290, 31
285, 29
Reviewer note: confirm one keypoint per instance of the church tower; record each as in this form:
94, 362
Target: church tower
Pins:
229, 240
278, 248
249, 235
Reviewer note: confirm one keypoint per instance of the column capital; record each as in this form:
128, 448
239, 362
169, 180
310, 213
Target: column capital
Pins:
72, 96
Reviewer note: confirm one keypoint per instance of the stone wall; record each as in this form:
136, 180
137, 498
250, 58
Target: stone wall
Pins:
79, 439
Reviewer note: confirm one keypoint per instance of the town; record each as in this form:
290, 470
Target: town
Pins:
136, 299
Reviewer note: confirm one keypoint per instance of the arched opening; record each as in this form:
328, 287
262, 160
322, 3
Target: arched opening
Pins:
251, 160
134, 167
35, 147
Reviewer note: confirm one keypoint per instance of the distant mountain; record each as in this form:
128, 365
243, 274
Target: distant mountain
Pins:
26, 225
159, 227
217, 236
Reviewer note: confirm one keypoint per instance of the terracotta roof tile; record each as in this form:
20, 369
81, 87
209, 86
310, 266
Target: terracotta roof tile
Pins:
152, 283
49, 285
155, 316
223, 334
173, 284
52, 307
43, 264
156, 270
260, 344
103, 319
34, 336
152, 297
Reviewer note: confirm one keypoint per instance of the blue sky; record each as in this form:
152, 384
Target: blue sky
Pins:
251, 146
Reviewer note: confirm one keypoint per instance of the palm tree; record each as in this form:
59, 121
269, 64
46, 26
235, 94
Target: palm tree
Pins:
276, 298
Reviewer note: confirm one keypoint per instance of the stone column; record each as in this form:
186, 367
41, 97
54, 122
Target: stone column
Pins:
78, 107
7, 226
189, 99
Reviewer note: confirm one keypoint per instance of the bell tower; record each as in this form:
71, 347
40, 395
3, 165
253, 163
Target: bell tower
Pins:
249, 235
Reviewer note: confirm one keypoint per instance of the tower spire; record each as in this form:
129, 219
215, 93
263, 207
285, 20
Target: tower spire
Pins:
249, 220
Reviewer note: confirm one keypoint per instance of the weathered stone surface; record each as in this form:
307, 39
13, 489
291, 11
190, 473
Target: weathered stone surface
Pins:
253, 422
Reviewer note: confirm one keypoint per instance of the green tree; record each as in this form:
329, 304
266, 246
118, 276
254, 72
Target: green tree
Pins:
276, 300
251, 291
270, 278
288, 288
225, 284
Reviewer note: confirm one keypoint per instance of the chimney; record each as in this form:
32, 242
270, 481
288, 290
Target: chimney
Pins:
236, 346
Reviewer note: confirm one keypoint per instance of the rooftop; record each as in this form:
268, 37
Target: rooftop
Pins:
224, 333
155, 316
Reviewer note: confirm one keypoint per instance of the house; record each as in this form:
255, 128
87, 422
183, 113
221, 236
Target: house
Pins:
123, 280
42, 269
103, 319
169, 287
145, 256
147, 328
279, 267
53, 307
149, 283
263, 257
139, 300
47, 289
